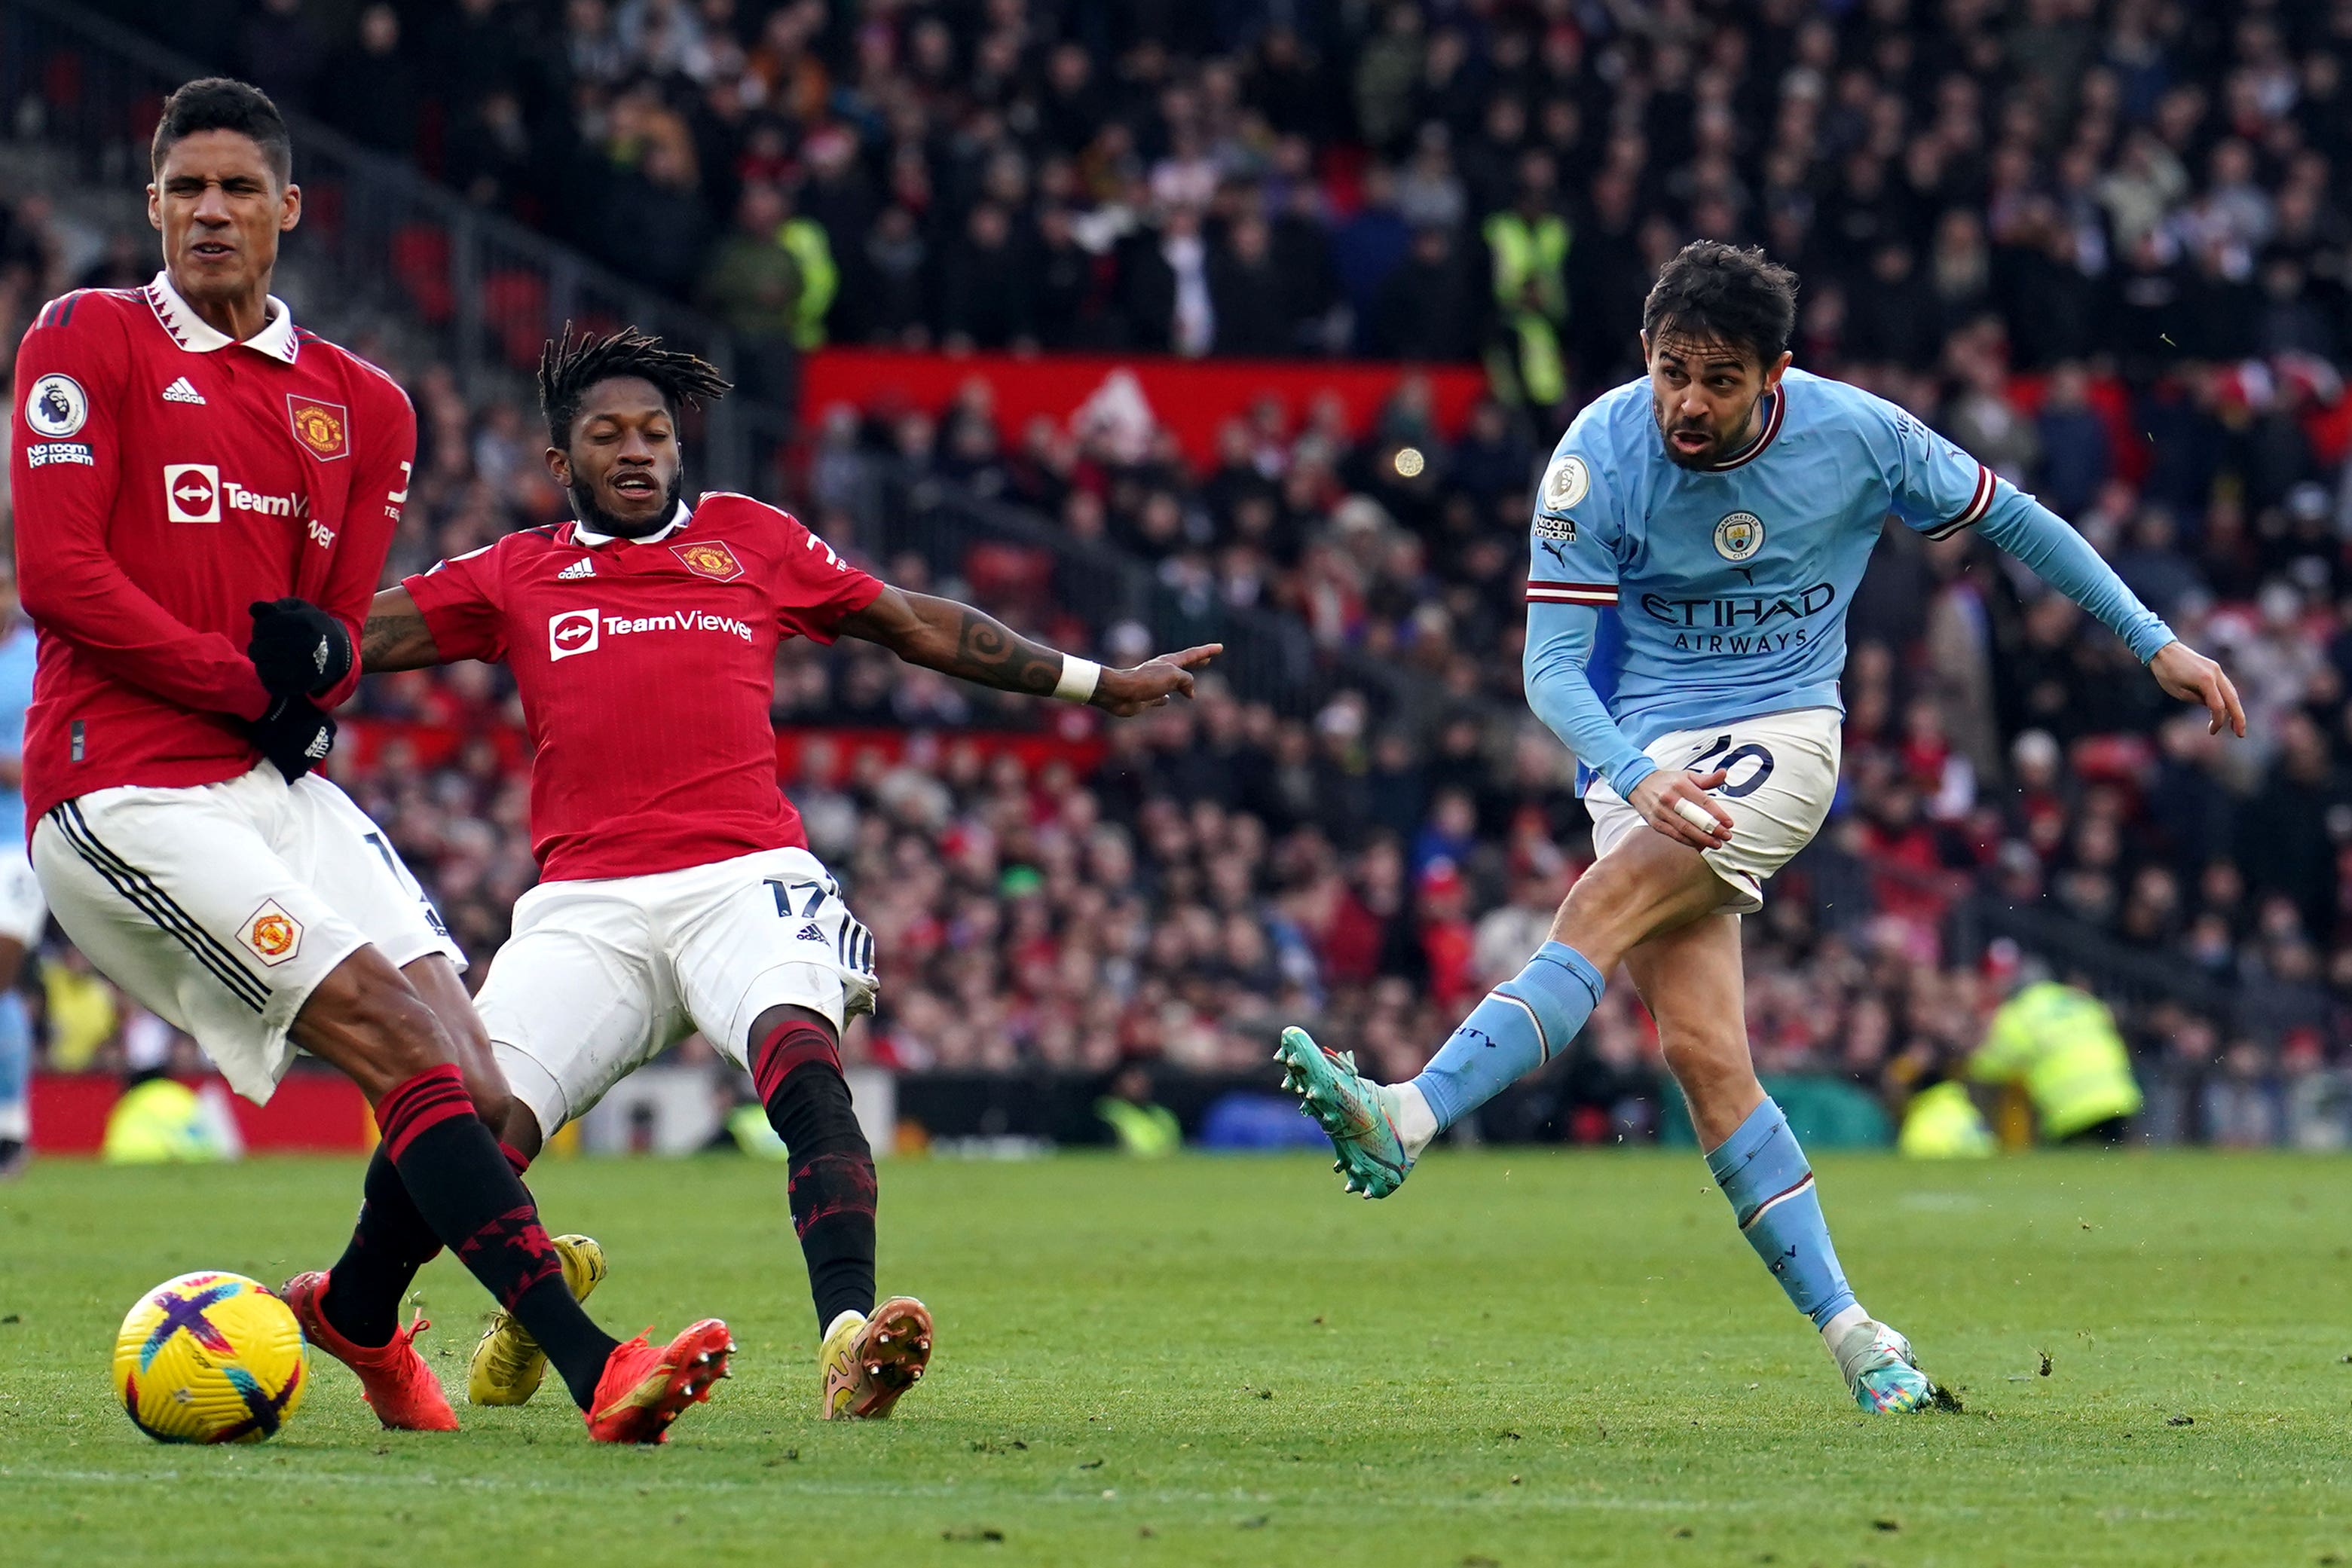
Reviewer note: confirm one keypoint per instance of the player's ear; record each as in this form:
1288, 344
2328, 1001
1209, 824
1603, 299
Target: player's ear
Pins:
1773, 371
289, 209
559, 466
154, 209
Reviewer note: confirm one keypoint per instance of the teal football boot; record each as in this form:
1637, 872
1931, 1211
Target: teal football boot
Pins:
1879, 1368
1359, 1115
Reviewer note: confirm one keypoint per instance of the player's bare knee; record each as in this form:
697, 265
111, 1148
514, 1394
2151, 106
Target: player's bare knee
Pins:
1613, 905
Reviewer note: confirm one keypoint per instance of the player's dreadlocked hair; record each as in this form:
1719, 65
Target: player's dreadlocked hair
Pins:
570, 365
1721, 293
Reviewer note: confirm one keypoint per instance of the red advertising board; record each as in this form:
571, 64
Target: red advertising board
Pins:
311, 1113
1192, 397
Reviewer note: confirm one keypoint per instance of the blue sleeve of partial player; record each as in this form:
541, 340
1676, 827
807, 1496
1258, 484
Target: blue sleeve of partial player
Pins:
1560, 646
2065, 560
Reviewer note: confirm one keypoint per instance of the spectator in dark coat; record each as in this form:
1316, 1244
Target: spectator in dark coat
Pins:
1894, 319
1430, 309
984, 287
1246, 289
372, 90
2073, 440
282, 52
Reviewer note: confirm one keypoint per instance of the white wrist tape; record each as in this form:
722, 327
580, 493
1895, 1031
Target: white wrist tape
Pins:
1079, 677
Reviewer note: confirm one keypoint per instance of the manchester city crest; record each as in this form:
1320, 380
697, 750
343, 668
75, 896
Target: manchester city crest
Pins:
1739, 535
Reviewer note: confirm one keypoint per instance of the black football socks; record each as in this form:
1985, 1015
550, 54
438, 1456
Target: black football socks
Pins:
468, 1193
831, 1190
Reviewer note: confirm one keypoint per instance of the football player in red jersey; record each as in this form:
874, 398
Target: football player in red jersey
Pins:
204, 493
677, 890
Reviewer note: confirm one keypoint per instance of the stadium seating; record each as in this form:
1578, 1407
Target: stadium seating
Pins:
1367, 845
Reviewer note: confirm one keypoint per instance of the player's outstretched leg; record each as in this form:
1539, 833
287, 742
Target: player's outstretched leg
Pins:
365, 1019
1379, 1130
869, 1355
357, 1302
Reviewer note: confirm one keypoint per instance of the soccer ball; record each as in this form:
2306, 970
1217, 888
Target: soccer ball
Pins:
209, 1358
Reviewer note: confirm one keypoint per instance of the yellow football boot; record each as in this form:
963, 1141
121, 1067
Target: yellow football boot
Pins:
508, 1363
870, 1362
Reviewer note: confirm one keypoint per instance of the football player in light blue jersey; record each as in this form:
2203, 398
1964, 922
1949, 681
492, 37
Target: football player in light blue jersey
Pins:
1723, 509
23, 912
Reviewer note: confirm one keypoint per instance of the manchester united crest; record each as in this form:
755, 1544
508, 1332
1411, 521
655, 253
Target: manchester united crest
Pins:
710, 558
323, 427
272, 935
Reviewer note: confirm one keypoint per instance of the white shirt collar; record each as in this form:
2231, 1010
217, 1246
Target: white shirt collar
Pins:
198, 336
582, 534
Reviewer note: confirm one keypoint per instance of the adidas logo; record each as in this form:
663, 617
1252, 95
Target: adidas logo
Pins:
181, 392
579, 569
812, 932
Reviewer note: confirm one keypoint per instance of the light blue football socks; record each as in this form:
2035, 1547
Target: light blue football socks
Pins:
16, 1069
1523, 1023
1765, 1174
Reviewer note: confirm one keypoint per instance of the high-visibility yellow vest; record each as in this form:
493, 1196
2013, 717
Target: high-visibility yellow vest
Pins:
82, 1016
1150, 1130
156, 1123
1943, 1124
1525, 252
2063, 1045
805, 240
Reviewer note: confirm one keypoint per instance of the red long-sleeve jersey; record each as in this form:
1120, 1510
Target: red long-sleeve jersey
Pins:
165, 477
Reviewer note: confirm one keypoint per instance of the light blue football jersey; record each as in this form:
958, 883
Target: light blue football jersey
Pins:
17, 656
1732, 584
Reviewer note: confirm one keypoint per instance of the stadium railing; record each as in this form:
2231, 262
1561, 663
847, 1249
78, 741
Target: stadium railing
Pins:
377, 238
2127, 978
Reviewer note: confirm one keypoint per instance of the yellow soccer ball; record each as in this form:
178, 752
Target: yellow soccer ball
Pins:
210, 1358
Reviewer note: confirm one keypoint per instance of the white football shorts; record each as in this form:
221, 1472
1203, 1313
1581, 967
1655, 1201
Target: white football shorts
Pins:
219, 907
1784, 771
603, 975
22, 911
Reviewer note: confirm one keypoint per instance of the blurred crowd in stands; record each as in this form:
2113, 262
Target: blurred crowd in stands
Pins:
1399, 179
2104, 246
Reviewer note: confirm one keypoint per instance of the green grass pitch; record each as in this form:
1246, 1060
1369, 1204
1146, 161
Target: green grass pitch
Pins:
1523, 1358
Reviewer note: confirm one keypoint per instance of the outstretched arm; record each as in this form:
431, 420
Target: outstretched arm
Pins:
395, 636
972, 645
2065, 560
1939, 490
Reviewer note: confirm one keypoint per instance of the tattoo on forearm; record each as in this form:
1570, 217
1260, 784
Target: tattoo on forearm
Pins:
993, 654
392, 639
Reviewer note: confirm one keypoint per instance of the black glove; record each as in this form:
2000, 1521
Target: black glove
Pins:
298, 649
295, 736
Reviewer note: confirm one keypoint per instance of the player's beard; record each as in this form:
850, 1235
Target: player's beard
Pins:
596, 519
1720, 447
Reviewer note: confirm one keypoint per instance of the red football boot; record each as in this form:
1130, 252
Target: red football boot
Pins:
645, 1388
393, 1376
